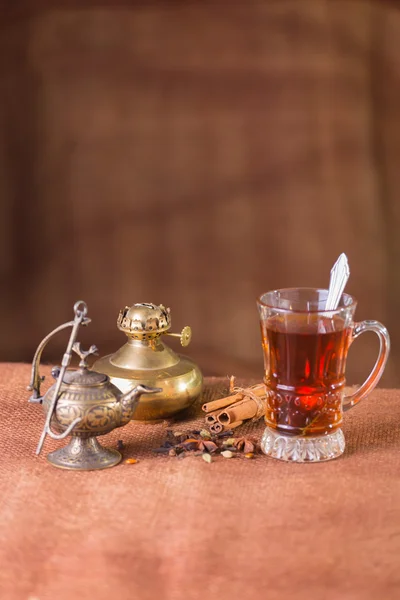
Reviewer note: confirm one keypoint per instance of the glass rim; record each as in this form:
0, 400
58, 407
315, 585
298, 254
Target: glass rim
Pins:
352, 303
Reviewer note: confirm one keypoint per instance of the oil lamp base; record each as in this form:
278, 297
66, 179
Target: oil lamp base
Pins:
84, 454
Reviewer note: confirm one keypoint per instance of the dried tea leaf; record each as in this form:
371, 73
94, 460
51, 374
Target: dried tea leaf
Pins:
195, 431
205, 434
248, 447
131, 461
161, 450
210, 446
207, 457
249, 455
120, 445
198, 453
227, 454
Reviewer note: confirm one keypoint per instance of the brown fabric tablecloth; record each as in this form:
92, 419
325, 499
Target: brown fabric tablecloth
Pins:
184, 529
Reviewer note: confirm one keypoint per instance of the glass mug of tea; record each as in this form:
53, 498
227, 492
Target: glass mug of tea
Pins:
305, 351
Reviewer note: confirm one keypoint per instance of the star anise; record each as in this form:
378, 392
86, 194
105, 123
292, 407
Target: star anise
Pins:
245, 445
200, 442
208, 446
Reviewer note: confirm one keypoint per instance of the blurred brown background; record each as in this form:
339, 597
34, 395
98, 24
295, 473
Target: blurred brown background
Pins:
197, 154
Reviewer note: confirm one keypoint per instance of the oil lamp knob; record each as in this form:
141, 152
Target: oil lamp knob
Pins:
185, 336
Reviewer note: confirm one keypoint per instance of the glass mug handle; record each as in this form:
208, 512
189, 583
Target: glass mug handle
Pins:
377, 371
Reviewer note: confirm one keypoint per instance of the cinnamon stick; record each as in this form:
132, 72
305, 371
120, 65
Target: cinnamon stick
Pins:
246, 409
216, 427
212, 417
221, 403
234, 425
258, 390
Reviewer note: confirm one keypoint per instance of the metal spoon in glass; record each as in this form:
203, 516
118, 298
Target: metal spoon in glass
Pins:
340, 274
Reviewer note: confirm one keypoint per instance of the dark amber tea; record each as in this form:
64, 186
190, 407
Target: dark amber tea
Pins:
305, 360
305, 349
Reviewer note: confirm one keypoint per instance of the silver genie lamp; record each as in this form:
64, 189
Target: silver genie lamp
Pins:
82, 403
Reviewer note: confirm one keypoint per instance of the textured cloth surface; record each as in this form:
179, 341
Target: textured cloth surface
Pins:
184, 529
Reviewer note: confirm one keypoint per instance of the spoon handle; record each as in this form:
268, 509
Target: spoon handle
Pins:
340, 274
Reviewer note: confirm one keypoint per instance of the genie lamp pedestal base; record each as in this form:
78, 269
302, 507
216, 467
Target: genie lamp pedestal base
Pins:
84, 454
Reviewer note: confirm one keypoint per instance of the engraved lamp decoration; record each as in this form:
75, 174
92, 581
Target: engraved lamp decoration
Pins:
145, 358
82, 403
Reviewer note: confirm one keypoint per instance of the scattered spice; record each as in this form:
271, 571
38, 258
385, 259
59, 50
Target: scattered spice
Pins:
205, 434
245, 444
168, 444
131, 461
190, 441
202, 443
227, 454
210, 446
227, 434
229, 442
120, 445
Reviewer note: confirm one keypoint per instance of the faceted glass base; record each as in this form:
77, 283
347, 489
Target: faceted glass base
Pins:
302, 449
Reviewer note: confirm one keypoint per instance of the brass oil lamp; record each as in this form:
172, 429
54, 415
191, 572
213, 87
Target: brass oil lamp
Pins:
83, 404
145, 358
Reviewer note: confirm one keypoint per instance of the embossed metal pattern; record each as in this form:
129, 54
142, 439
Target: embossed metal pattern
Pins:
83, 454
144, 321
100, 410
147, 359
88, 378
83, 404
